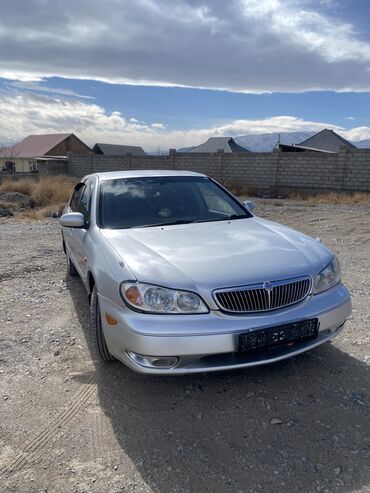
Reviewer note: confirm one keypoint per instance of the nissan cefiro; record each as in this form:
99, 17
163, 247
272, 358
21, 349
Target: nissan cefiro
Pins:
182, 277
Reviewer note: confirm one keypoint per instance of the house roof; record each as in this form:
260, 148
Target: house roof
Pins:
35, 145
213, 144
118, 150
326, 140
299, 148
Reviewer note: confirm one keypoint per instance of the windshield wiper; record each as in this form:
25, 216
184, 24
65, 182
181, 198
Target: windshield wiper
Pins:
190, 221
235, 216
172, 223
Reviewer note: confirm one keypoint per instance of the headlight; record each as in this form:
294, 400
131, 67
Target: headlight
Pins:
328, 277
156, 299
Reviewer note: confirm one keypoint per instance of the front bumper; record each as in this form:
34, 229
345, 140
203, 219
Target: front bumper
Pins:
209, 342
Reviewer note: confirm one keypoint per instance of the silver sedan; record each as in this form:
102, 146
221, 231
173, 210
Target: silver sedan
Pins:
182, 277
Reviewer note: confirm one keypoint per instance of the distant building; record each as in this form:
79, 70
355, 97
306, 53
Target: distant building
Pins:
26, 155
214, 144
118, 150
325, 141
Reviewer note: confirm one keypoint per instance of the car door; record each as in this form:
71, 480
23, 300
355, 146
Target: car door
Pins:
69, 234
80, 234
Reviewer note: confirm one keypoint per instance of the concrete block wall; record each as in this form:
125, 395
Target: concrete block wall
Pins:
52, 168
312, 171
263, 172
356, 172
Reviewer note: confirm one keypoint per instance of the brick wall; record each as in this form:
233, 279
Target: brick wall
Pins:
263, 172
70, 145
52, 167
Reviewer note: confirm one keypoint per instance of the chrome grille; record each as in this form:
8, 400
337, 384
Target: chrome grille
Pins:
257, 298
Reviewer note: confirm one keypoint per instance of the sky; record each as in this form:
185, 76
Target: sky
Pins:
171, 73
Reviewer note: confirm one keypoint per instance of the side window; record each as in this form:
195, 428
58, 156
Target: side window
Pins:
84, 205
75, 199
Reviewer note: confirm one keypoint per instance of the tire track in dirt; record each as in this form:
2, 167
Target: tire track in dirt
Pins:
103, 439
34, 447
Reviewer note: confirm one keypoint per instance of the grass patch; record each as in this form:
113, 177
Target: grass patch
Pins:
52, 190
240, 190
351, 198
24, 185
49, 194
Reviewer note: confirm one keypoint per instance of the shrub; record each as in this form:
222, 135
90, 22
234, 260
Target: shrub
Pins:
46, 191
48, 195
347, 198
24, 185
52, 190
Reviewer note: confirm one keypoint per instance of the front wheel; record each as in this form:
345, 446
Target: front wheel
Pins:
99, 346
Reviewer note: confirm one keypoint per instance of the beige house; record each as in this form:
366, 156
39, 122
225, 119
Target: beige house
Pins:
26, 156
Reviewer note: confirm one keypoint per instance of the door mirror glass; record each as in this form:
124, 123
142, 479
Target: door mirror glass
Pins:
73, 220
249, 204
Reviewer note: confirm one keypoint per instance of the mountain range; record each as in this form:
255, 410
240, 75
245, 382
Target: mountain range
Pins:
267, 142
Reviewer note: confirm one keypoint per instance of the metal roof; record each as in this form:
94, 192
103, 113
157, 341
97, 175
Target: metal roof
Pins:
118, 150
213, 144
35, 145
326, 140
299, 148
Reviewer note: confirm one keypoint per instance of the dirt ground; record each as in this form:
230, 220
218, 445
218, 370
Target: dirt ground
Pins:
68, 424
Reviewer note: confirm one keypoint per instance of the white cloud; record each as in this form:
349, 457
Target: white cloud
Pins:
33, 86
332, 39
25, 113
238, 45
357, 133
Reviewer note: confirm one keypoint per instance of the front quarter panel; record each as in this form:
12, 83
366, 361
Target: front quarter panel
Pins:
106, 266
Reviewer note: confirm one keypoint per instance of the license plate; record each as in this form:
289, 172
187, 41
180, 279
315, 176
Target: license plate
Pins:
281, 335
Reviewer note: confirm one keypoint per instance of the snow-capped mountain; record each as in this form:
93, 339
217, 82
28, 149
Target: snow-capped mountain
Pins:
362, 144
267, 142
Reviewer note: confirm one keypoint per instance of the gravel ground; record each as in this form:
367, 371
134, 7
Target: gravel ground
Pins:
68, 424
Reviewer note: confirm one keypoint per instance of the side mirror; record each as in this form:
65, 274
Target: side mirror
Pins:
73, 220
249, 204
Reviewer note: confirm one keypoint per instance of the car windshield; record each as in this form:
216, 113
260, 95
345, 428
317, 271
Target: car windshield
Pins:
164, 200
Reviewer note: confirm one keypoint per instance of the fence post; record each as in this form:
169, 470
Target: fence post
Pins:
172, 154
220, 152
341, 163
277, 154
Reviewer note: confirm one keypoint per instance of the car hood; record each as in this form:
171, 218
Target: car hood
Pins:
206, 256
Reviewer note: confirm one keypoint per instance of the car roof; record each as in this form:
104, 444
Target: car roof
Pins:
113, 175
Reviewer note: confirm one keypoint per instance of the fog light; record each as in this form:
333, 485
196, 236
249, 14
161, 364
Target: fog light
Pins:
164, 362
154, 361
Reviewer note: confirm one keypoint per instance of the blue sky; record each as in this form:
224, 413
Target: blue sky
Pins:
163, 73
185, 108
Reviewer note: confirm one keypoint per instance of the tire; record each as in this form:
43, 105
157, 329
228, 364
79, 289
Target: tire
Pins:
98, 345
72, 271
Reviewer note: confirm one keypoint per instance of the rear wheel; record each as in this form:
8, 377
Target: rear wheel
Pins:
99, 346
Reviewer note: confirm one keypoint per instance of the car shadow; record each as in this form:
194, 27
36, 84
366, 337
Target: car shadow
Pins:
302, 424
